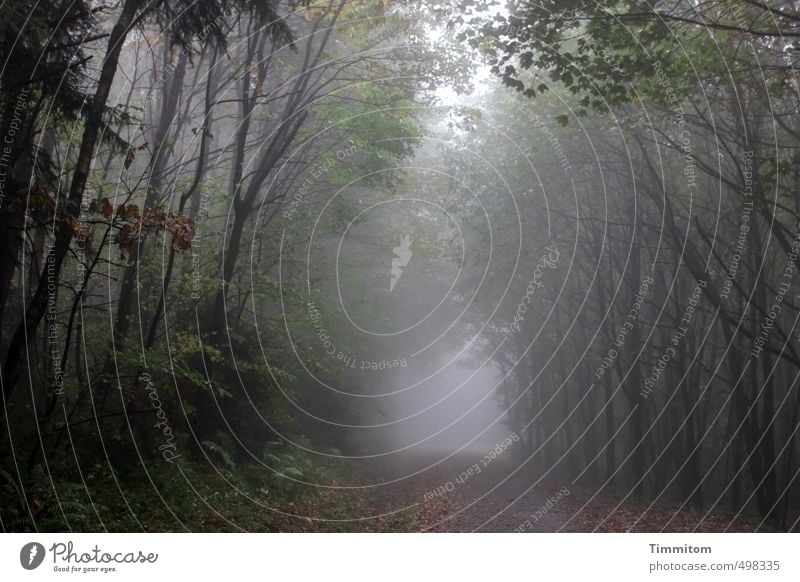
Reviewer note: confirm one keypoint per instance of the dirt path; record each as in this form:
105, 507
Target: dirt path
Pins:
465, 494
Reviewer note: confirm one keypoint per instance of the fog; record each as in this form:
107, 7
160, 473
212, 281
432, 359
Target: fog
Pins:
388, 266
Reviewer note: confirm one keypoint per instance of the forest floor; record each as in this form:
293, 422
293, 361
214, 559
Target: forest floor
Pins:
429, 496
499, 500
496, 499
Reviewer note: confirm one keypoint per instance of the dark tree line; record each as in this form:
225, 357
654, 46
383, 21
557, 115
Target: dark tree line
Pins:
150, 149
662, 360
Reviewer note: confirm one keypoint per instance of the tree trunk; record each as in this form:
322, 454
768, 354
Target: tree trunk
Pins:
25, 333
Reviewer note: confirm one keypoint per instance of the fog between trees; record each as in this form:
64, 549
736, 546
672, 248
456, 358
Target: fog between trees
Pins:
295, 266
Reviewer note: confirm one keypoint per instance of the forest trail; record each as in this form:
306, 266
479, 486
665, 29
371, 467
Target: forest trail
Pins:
499, 500
454, 496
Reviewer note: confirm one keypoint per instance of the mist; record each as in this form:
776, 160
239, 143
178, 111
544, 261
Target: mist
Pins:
386, 266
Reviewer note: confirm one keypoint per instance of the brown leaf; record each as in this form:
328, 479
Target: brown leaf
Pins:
129, 157
105, 208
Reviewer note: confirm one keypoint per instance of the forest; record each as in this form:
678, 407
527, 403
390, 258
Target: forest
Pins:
385, 266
